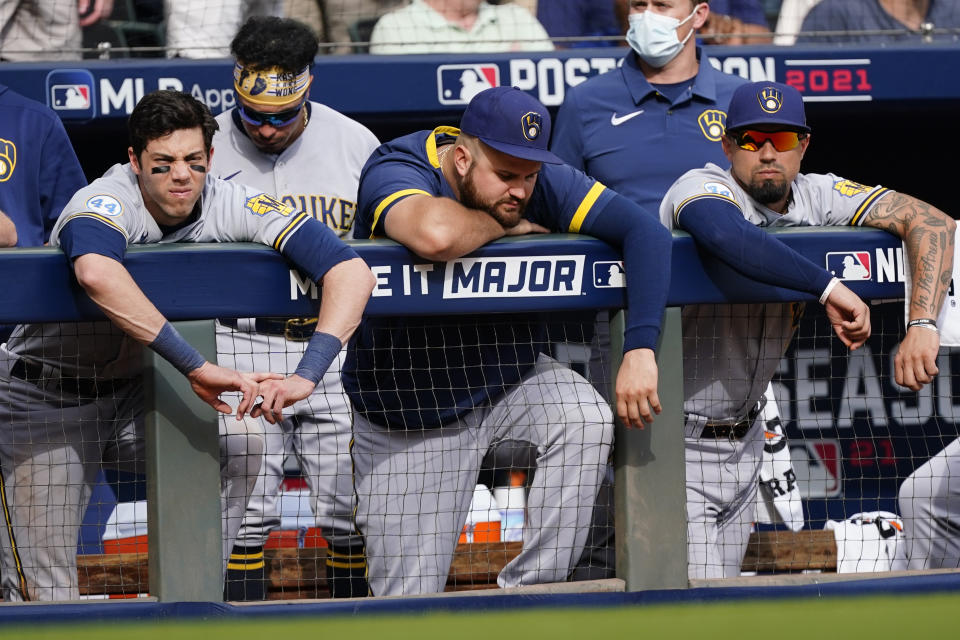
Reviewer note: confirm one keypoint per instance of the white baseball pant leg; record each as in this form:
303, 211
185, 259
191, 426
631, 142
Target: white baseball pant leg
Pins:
930, 509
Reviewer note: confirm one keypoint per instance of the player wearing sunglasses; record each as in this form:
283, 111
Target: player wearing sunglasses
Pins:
309, 157
277, 119
732, 351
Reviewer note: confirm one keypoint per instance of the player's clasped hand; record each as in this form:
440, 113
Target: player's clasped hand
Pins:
849, 316
279, 393
210, 380
916, 360
637, 399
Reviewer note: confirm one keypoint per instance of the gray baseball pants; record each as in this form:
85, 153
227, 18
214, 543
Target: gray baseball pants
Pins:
414, 487
315, 430
722, 477
930, 509
51, 447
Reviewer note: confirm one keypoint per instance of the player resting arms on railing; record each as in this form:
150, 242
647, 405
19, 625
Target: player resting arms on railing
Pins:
431, 395
731, 352
71, 395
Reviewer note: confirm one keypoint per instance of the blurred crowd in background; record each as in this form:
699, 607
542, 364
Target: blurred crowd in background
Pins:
33, 30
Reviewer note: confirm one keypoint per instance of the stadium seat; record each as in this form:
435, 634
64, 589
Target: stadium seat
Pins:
360, 32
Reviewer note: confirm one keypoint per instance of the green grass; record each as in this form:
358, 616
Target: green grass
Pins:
911, 617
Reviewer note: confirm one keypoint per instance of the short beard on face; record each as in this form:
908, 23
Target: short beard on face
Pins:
768, 191
471, 199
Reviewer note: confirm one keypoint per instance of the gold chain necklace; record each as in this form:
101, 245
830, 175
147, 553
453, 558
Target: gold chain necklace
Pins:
443, 154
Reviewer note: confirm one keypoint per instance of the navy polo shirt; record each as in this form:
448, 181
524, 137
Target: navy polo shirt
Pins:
39, 171
619, 129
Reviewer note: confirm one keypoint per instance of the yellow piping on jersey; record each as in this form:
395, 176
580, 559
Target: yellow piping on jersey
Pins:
288, 229
432, 143
676, 214
390, 199
247, 556
346, 565
585, 205
237, 566
96, 216
869, 202
21, 578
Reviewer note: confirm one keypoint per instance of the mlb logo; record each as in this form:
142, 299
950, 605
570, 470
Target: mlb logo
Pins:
609, 275
71, 93
849, 265
70, 96
458, 83
817, 467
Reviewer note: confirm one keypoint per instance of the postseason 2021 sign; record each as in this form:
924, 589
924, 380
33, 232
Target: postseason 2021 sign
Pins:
407, 87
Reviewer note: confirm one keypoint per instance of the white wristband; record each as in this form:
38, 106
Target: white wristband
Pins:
826, 292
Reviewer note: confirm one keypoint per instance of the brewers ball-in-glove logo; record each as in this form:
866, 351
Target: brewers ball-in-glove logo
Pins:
258, 86
713, 123
263, 204
8, 159
771, 100
532, 125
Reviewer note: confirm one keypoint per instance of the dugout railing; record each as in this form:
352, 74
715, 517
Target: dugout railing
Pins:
195, 282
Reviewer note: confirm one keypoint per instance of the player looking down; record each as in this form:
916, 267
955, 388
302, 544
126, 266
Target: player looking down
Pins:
309, 156
431, 396
71, 395
732, 351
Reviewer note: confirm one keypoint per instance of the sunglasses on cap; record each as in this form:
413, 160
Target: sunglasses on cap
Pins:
277, 119
751, 140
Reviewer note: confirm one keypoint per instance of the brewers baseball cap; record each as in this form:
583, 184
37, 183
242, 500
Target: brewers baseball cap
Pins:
510, 121
766, 103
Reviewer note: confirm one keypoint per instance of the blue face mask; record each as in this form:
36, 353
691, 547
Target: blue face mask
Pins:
654, 37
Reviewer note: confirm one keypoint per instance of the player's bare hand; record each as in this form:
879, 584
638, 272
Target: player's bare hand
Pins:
916, 361
210, 380
91, 11
636, 389
524, 227
276, 395
849, 316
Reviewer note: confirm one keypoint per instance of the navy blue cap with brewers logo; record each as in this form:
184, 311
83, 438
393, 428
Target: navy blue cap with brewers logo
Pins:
510, 121
759, 103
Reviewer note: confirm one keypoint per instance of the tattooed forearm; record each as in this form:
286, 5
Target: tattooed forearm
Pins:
928, 236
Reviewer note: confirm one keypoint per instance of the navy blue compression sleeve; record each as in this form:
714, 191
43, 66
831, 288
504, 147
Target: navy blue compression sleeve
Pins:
718, 225
646, 245
314, 248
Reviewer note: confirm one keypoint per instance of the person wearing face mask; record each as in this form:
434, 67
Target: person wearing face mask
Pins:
659, 114
637, 129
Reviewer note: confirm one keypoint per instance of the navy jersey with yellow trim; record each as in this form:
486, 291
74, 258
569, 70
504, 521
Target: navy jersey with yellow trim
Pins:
425, 372
561, 200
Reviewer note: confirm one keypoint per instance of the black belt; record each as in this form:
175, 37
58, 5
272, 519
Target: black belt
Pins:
731, 430
92, 388
293, 329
